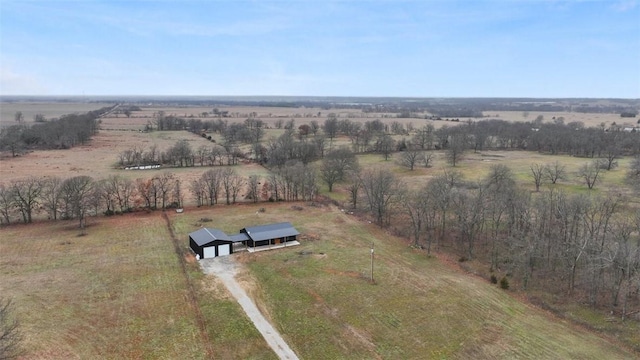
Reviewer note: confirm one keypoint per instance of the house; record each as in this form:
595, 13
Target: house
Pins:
271, 234
209, 242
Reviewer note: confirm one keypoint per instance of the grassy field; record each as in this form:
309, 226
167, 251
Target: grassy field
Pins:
117, 292
320, 297
476, 166
48, 109
120, 290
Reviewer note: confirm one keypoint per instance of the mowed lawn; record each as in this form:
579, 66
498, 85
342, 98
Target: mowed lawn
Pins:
118, 292
320, 298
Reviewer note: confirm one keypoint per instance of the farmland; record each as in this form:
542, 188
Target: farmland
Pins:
122, 293
120, 287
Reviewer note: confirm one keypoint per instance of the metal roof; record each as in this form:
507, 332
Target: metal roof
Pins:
271, 231
207, 235
239, 237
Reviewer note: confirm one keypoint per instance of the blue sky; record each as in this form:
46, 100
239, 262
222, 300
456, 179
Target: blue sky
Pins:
434, 48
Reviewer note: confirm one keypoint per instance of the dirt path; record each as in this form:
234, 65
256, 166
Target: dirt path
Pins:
224, 268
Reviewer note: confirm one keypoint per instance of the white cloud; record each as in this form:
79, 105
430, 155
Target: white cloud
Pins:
15, 83
625, 5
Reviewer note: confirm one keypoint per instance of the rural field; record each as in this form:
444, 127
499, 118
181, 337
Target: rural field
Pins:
128, 286
119, 291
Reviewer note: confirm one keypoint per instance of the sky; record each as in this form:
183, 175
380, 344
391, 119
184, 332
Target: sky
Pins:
429, 48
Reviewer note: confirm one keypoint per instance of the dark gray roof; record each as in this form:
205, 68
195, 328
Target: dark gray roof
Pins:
207, 235
271, 231
239, 237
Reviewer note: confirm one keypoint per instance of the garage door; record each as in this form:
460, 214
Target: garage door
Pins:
209, 252
224, 249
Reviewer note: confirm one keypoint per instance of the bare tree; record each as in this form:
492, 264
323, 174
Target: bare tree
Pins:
382, 191
106, 195
177, 198
254, 188
202, 154
456, 147
76, 191
611, 156
11, 139
26, 196
385, 145
50, 196
314, 127
231, 183
331, 127
10, 335
440, 190
146, 191
427, 159
123, 190
336, 164
500, 197
165, 183
198, 190
257, 133
18, 117
355, 184
470, 214
410, 157
211, 180
589, 173
424, 137
633, 174
537, 174
555, 172
416, 205
6, 203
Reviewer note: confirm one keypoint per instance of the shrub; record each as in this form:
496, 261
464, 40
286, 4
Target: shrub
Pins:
494, 279
504, 283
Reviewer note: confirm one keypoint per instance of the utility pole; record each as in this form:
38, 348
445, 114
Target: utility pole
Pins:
372, 262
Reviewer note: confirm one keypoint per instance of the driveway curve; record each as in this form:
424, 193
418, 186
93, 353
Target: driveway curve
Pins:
225, 268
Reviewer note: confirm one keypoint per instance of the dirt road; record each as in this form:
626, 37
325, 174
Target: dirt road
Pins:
224, 268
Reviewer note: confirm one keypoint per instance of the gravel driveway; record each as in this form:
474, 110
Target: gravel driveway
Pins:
224, 267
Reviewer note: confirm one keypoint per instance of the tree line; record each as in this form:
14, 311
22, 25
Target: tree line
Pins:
62, 133
79, 196
309, 141
181, 154
583, 245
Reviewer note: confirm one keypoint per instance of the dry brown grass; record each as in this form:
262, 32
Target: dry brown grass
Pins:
48, 109
116, 293
589, 119
319, 296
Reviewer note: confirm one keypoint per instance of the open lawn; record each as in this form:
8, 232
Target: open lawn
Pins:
320, 298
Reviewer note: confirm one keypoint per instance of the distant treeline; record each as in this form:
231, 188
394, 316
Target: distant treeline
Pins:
62, 133
309, 142
444, 107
